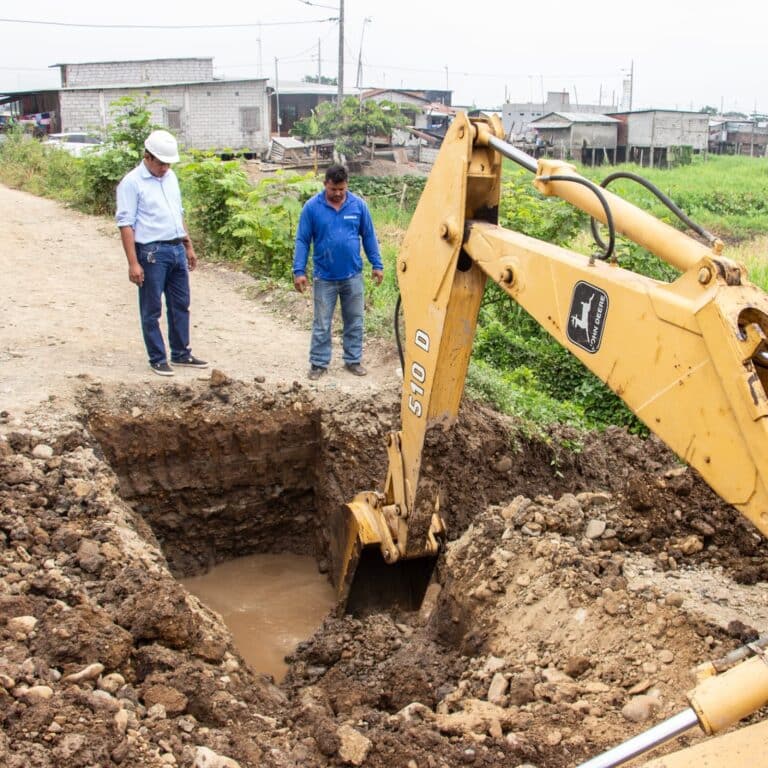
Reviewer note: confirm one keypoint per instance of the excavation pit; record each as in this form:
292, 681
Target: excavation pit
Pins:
217, 486
230, 498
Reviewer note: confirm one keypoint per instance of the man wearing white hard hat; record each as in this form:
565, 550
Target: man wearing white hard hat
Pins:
160, 255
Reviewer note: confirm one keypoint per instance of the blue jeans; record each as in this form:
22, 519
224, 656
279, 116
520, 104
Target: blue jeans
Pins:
350, 294
165, 272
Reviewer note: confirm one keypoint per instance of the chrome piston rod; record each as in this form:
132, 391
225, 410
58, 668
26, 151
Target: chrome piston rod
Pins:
513, 153
643, 742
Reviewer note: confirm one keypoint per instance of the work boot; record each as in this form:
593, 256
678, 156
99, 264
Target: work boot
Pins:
356, 369
316, 371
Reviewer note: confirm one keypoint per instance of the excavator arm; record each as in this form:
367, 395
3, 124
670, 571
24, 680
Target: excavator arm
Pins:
689, 357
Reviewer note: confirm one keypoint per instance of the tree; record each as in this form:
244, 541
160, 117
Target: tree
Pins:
350, 124
708, 110
320, 79
131, 122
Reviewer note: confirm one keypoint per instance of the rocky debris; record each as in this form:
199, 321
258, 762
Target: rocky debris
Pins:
82, 598
207, 758
562, 615
353, 746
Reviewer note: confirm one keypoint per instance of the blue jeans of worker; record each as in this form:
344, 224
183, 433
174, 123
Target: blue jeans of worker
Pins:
350, 294
165, 272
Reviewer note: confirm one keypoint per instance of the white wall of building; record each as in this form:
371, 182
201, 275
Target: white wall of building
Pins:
218, 115
659, 128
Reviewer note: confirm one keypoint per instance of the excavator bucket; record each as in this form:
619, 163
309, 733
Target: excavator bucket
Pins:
365, 582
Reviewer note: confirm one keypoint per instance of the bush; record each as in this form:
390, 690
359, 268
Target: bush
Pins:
262, 224
389, 190
131, 123
28, 164
208, 184
234, 219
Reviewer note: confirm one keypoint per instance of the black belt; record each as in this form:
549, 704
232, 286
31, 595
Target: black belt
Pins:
176, 241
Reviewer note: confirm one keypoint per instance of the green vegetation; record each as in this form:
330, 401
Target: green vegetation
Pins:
88, 182
349, 124
27, 164
516, 366
726, 195
130, 124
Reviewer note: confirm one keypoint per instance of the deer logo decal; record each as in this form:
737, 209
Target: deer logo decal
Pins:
586, 316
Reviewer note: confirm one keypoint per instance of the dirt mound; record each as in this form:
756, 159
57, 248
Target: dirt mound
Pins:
553, 630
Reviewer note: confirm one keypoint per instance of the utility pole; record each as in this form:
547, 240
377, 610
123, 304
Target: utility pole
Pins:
340, 92
359, 80
319, 63
632, 84
277, 100
260, 68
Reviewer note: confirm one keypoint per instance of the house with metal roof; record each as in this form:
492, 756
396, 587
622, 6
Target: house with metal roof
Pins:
294, 101
738, 137
588, 138
661, 137
203, 111
516, 117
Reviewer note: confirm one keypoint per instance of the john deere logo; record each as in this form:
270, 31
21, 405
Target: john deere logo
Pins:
586, 318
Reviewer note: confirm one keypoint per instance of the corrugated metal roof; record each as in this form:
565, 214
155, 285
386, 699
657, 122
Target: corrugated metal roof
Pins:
659, 109
293, 88
9, 96
571, 117
148, 86
371, 92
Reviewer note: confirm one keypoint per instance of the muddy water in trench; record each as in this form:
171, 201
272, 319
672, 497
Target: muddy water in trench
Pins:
269, 602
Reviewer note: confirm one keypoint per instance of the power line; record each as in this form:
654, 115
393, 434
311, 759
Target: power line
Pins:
319, 5
171, 26
26, 69
462, 73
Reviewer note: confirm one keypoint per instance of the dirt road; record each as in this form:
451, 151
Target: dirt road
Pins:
68, 311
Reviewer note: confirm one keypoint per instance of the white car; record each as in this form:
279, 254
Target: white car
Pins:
76, 144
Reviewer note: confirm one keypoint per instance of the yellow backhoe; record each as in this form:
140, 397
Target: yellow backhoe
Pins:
689, 358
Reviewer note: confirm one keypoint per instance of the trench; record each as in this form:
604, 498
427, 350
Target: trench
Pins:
230, 498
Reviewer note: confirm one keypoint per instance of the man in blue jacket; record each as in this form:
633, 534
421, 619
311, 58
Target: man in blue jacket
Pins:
333, 222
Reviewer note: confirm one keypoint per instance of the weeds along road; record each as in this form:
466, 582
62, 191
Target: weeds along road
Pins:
68, 314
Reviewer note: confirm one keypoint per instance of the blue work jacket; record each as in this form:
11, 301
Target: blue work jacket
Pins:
335, 238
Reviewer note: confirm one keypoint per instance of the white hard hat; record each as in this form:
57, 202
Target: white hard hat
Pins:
163, 146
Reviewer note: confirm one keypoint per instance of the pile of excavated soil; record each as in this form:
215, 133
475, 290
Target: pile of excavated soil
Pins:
573, 598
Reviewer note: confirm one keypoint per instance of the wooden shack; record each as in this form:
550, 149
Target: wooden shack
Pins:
661, 138
587, 138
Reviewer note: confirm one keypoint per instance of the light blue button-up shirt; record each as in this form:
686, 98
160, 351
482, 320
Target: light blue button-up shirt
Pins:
150, 205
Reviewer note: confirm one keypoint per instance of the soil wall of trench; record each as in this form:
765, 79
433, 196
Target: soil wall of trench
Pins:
557, 625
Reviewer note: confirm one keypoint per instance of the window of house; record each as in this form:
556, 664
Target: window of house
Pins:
173, 119
250, 118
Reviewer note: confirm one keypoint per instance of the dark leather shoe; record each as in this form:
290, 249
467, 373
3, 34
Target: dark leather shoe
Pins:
315, 372
356, 369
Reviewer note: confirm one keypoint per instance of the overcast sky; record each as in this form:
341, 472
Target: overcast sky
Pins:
681, 54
